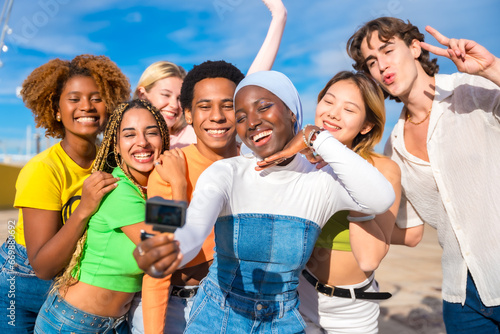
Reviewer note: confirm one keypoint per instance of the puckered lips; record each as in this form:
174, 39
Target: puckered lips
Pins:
143, 156
260, 137
389, 78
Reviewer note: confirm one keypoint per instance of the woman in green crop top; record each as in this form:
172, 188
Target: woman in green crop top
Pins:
351, 107
96, 291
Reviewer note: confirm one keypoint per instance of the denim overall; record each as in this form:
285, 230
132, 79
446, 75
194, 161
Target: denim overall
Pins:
252, 283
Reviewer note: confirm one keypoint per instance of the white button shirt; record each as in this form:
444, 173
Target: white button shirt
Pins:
458, 192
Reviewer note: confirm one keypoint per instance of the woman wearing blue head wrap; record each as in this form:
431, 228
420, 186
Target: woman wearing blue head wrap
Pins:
266, 221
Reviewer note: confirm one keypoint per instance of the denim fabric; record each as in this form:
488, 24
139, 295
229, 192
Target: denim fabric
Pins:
473, 317
261, 255
178, 311
251, 285
21, 292
218, 311
58, 316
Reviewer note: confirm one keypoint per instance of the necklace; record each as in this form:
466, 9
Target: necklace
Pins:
408, 117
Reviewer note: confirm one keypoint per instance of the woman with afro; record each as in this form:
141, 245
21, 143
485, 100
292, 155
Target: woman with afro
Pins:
55, 191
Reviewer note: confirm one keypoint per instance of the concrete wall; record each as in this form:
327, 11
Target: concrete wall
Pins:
8, 177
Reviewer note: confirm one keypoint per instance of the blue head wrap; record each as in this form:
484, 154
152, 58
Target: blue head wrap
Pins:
278, 84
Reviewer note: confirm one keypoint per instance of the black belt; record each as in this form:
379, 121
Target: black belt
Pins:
331, 291
183, 292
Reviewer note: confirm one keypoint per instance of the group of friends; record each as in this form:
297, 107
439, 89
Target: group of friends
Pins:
286, 222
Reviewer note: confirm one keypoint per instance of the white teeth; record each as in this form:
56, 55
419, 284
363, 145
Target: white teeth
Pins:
168, 113
328, 125
142, 155
86, 119
216, 132
262, 134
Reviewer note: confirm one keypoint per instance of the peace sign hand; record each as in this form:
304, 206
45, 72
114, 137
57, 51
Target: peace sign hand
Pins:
469, 56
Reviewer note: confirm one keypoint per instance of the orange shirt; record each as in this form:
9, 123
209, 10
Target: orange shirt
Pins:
155, 291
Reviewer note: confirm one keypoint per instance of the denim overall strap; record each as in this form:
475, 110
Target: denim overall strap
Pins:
261, 255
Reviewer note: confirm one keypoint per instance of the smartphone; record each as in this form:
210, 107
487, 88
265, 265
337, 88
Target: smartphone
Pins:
165, 215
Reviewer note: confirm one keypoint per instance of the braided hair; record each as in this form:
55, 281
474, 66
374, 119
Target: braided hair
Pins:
107, 159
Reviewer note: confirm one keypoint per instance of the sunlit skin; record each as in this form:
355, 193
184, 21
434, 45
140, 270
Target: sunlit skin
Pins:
342, 112
164, 95
139, 143
263, 122
212, 117
393, 64
83, 114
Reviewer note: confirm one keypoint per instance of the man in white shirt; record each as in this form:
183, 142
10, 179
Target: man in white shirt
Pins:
447, 143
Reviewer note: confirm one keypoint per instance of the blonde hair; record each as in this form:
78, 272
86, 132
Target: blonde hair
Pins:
107, 159
158, 71
373, 99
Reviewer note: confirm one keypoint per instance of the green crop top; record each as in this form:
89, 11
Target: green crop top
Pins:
335, 233
107, 259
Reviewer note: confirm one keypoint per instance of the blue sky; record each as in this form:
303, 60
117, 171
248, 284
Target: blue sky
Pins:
135, 34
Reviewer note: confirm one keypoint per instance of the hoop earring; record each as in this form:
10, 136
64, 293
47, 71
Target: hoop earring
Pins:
109, 159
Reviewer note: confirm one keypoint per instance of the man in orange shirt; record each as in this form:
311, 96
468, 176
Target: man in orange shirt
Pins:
207, 99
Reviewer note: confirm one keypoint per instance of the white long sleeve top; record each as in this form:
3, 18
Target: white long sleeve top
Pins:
458, 191
233, 186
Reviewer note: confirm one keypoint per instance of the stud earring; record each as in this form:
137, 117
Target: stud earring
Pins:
58, 117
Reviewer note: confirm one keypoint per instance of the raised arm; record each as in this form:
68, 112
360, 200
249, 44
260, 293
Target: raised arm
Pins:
49, 243
469, 56
267, 54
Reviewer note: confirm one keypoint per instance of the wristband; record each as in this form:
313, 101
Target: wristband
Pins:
360, 219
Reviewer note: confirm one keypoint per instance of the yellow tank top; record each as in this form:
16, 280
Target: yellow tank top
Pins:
335, 233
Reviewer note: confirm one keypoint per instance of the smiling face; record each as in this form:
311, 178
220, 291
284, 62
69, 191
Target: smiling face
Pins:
81, 108
393, 64
342, 112
263, 121
139, 143
164, 95
212, 117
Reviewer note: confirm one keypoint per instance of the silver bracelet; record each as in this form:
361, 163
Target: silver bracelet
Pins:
311, 134
304, 135
307, 141
360, 219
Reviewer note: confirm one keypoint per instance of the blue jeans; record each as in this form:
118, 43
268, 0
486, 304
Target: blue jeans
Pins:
21, 292
473, 317
58, 316
218, 311
178, 311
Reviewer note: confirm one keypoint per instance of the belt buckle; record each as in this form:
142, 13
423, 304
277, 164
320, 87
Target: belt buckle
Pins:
192, 292
325, 286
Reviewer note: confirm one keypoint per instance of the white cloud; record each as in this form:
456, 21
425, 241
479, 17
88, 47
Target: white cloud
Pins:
134, 17
184, 35
64, 45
